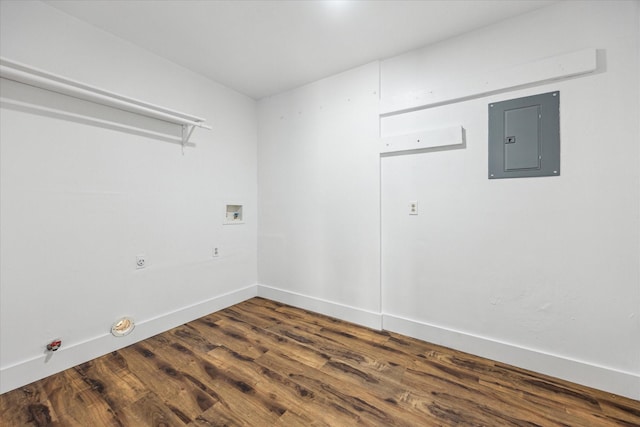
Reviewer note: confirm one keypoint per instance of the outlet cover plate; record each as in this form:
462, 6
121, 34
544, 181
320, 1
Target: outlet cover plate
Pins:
141, 261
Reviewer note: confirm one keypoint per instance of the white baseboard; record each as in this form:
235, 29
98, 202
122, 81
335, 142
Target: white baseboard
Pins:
599, 377
603, 378
344, 312
66, 357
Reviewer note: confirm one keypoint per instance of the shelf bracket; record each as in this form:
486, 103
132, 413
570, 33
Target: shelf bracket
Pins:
187, 130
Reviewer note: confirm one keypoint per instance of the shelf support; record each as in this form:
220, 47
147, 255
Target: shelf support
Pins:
186, 133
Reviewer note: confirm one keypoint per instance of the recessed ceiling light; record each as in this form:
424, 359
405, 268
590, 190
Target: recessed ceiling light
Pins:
336, 3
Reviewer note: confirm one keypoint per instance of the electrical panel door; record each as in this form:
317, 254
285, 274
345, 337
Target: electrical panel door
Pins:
524, 137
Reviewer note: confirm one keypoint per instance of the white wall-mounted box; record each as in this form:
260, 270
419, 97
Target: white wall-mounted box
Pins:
443, 137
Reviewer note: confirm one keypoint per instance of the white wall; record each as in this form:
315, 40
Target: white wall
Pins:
538, 272
319, 196
542, 273
80, 201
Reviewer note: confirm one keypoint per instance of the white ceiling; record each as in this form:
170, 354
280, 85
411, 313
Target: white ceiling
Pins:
261, 48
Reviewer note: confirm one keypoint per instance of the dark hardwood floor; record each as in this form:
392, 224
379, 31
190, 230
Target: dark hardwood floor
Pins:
261, 363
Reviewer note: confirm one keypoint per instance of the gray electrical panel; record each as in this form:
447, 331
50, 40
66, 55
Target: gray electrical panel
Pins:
524, 137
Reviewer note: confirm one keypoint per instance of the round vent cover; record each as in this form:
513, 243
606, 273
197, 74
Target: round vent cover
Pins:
122, 327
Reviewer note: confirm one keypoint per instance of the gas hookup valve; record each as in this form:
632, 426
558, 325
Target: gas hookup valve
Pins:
54, 345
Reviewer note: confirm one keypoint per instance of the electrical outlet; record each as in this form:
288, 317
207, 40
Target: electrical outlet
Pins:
141, 261
413, 208
215, 252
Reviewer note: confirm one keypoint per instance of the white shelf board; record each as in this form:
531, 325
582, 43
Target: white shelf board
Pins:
443, 137
534, 72
22, 73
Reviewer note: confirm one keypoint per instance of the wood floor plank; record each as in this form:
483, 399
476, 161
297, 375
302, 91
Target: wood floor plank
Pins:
357, 402
282, 394
234, 392
621, 409
331, 326
80, 406
278, 384
27, 406
269, 339
219, 415
334, 408
189, 333
150, 410
169, 370
455, 382
239, 402
116, 388
263, 363
506, 381
233, 336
